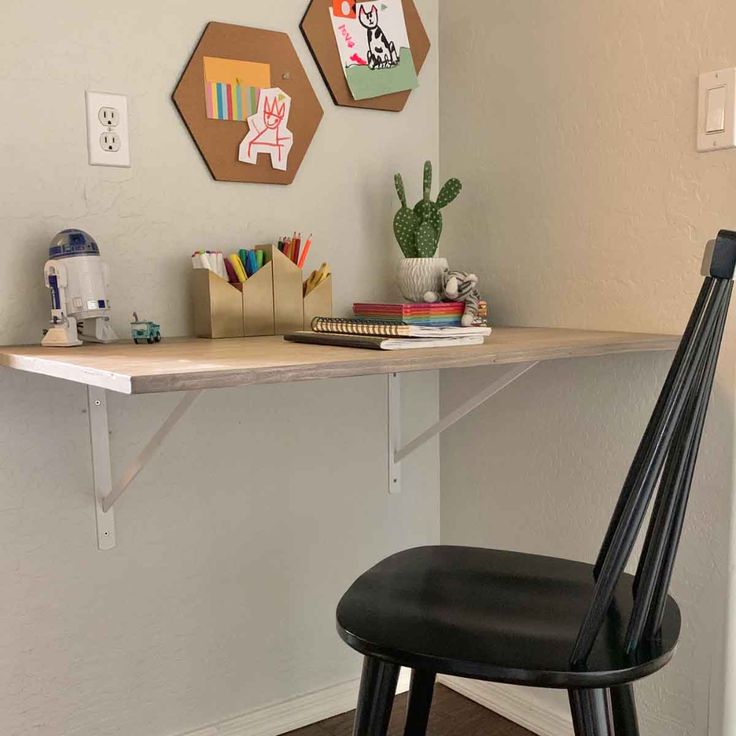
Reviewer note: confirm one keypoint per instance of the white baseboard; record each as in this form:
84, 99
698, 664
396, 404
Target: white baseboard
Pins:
515, 704
274, 720
508, 701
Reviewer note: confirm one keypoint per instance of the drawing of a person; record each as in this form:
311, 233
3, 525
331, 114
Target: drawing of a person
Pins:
268, 130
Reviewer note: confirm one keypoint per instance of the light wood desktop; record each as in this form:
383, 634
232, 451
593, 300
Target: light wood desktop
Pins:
191, 364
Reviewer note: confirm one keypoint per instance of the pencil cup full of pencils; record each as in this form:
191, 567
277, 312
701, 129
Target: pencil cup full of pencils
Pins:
258, 292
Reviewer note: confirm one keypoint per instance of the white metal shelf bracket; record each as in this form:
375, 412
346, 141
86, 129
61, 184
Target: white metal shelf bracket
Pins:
99, 435
107, 493
394, 432
396, 455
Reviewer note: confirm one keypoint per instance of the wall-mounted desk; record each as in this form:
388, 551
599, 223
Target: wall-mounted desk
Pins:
192, 366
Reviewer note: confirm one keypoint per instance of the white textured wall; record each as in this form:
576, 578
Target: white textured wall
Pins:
236, 542
572, 125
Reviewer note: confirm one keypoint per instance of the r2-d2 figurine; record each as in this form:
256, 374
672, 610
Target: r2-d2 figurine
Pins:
78, 280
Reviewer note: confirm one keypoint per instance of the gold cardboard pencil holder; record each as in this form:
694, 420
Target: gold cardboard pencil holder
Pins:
318, 303
288, 305
258, 299
218, 306
270, 302
225, 310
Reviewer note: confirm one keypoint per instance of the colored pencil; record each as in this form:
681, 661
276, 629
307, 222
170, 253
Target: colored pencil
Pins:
305, 252
297, 249
294, 247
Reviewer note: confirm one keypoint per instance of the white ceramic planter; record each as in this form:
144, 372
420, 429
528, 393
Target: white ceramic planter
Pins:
417, 276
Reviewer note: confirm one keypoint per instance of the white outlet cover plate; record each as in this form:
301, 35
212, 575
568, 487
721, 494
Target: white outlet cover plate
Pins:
98, 156
726, 138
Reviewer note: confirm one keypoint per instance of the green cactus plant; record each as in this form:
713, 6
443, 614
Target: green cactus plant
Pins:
418, 230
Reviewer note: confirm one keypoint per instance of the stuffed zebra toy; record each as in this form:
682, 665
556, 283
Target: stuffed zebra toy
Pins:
458, 286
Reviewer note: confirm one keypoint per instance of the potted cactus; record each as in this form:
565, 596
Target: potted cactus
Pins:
418, 233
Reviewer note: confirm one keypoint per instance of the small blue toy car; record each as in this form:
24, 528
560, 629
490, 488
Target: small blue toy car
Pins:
144, 332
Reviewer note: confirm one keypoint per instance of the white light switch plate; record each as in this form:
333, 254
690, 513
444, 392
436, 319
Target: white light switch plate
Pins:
108, 140
716, 90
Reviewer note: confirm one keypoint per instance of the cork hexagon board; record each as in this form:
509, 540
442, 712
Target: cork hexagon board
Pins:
318, 31
219, 140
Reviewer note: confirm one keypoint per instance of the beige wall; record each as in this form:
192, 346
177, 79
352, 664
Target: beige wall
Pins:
220, 595
572, 125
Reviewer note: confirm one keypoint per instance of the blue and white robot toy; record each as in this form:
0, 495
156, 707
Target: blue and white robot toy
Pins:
78, 280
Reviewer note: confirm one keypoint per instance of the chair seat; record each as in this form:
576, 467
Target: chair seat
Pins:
495, 615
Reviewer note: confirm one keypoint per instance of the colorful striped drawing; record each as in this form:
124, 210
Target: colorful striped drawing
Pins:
232, 87
230, 101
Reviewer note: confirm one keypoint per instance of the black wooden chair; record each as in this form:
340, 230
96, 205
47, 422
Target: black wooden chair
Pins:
530, 620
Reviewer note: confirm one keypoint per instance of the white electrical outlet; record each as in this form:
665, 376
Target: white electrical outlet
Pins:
108, 116
107, 129
110, 142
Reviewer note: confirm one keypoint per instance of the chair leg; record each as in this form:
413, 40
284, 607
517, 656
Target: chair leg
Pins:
591, 712
623, 705
420, 702
376, 698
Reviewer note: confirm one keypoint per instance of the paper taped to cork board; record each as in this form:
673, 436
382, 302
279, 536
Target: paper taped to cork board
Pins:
233, 87
373, 43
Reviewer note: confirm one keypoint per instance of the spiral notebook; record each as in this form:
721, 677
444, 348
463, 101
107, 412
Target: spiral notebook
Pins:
374, 342
380, 328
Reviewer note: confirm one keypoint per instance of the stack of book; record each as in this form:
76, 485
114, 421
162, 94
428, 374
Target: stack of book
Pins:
442, 314
395, 327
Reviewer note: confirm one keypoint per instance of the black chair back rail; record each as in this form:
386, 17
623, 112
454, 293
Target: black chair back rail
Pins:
511, 617
665, 459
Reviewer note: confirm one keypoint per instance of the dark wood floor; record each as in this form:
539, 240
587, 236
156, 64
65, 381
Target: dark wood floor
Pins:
452, 715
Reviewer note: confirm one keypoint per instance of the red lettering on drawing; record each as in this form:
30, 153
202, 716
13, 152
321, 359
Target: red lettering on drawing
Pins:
346, 35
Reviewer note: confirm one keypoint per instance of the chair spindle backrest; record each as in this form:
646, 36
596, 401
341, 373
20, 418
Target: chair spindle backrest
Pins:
665, 460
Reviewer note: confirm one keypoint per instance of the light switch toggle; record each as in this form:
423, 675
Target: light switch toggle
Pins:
717, 110
715, 121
